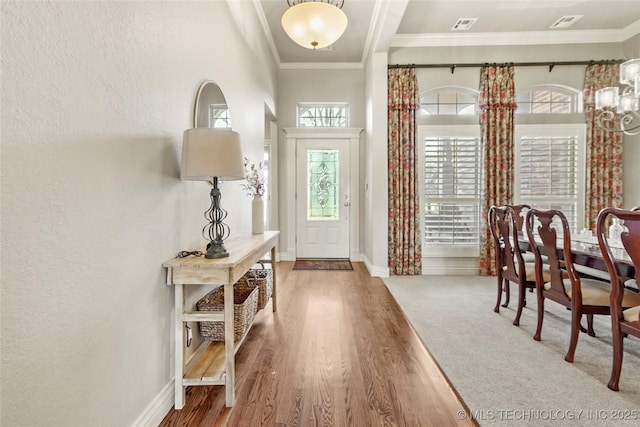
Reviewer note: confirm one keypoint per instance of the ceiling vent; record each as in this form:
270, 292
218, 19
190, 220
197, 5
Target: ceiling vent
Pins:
464, 24
566, 21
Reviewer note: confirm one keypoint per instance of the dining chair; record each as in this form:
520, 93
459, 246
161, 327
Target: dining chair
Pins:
520, 211
582, 296
510, 264
625, 310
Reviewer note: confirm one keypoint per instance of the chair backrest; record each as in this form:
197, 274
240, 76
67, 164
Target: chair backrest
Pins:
540, 222
504, 229
630, 239
520, 212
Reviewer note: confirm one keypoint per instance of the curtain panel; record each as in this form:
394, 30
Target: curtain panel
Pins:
604, 148
405, 250
497, 107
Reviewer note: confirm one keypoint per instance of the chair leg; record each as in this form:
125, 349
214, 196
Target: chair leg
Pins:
576, 316
618, 348
521, 302
590, 331
497, 307
507, 291
540, 315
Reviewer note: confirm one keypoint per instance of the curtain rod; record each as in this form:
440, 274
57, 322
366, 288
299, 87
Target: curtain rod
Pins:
549, 64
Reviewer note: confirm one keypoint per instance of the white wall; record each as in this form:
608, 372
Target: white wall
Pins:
376, 203
95, 97
312, 85
631, 171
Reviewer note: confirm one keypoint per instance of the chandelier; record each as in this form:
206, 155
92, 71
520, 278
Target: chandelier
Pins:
612, 102
314, 24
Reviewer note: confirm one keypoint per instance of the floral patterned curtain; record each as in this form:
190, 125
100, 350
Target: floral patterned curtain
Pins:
604, 148
497, 108
405, 250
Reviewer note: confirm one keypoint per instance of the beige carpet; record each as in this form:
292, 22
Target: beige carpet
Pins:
504, 376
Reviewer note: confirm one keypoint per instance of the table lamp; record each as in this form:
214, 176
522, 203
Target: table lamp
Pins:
210, 154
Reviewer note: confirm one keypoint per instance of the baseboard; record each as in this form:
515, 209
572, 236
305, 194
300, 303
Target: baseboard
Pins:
375, 271
159, 407
463, 266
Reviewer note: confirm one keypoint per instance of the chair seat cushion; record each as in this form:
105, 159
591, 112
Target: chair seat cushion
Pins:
596, 292
632, 314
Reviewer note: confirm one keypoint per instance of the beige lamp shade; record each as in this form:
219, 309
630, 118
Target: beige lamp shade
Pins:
314, 24
209, 152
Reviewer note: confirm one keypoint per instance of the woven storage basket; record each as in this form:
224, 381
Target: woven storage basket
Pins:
263, 279
245, 298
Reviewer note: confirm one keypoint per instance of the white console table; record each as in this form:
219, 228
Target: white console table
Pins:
213, 363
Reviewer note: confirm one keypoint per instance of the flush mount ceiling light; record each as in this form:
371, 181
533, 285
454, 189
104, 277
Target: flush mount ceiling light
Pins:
314, 24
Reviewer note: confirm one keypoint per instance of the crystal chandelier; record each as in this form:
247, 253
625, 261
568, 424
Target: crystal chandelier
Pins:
611, 102
314, 24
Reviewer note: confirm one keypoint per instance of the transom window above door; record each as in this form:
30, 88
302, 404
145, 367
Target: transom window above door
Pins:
323, 115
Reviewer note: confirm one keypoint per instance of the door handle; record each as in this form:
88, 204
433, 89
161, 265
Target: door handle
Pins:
347, 204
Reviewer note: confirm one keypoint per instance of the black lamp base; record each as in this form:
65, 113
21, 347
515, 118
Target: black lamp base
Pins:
215, 249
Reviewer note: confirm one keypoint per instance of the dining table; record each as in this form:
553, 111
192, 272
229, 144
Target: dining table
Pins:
587, 257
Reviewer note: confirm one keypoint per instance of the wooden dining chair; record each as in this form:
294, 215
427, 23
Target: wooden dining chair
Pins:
580, 295
625, 310
510, 264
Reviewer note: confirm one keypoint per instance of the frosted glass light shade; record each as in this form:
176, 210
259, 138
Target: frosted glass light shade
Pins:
314, 24
607, 97
629, 71
209, 152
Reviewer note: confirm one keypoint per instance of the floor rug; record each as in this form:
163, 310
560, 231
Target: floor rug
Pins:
322, 264
505, 377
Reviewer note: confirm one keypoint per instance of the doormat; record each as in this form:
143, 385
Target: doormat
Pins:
322, 264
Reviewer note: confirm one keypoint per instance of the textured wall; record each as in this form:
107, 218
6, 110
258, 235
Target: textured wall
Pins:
95, 97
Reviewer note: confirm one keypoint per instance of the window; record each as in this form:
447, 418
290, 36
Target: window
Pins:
219, 116
449, 101
452, 186
549, 99
323, 115
548, 172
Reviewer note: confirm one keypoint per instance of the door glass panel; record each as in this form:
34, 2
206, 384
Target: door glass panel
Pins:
322, 185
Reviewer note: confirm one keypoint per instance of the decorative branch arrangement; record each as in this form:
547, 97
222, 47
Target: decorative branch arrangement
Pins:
254, 176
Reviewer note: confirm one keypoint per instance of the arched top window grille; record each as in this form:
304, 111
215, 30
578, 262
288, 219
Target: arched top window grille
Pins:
549, 99
449, 100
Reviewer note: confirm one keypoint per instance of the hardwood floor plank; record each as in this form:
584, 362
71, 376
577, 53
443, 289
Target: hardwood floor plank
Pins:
338, 352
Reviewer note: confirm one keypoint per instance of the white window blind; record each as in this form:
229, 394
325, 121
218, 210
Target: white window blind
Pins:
549, 169
452, 171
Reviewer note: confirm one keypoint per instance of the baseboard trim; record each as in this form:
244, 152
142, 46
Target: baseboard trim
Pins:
375, 271
159, 407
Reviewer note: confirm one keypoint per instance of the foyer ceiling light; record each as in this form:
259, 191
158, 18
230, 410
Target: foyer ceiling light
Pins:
314, 24
620, 111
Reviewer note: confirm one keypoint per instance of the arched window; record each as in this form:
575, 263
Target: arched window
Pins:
449, 100
549, 99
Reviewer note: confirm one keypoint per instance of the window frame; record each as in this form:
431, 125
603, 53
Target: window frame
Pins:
576, 94
458, 90
301, 105
444, 131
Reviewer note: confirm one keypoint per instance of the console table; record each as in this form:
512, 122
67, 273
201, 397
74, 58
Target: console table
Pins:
213, 363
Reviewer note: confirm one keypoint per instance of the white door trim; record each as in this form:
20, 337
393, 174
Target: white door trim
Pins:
292, 135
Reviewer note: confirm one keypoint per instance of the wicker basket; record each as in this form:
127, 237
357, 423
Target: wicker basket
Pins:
245, 305
263, 279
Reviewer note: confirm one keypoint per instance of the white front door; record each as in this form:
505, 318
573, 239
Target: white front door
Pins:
323, 198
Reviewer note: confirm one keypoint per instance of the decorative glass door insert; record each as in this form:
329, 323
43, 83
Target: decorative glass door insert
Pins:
323, 185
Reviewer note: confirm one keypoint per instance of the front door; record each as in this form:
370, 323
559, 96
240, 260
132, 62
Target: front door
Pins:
322, 198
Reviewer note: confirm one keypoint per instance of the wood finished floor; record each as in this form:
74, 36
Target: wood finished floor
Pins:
338, 352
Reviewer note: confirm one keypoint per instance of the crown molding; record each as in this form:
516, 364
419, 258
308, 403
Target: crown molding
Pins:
514, 38
631, 30
321, 65
267, 32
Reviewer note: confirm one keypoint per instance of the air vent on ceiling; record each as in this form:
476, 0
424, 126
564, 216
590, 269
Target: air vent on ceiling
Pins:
566, 21
463, 24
